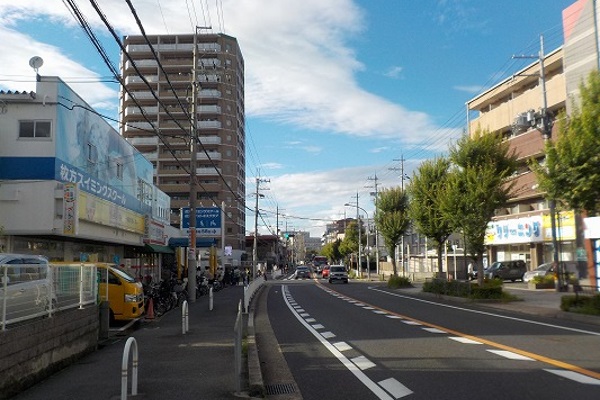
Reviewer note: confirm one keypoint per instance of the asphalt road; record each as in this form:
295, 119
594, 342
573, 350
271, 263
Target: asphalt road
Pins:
363, 341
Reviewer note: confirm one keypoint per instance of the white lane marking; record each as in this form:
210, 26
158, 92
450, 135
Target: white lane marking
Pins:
318, 326
575, 376
368, 308
300, 310
328, 335
408, 322
395, 388
393, 317
527, 321
362, 362
434, 330
372, 386
310, 320
380, 312
510, 355
304, 315
342, 346
359, 304
465, 340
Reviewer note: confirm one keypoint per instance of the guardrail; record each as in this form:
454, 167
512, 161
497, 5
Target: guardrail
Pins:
250, 291
29, 291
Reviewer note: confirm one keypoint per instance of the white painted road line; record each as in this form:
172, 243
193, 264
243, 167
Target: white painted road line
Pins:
510, 355
364, 379
362, 362
575, 376
464, 340
342, 346
434, 330
380, 312
408, 322
395, 388
318, 326
310, 320
328, 335
393, 317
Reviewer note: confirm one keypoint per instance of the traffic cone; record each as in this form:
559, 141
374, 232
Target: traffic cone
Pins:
150, 309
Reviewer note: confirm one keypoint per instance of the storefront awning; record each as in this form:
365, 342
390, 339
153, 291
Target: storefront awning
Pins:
185, 242
157, 248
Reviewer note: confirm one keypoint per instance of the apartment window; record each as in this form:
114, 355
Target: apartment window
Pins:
120, 171
34, 129
92, 154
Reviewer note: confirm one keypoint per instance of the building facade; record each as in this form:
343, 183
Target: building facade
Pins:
523, 229
157, 112
71, 188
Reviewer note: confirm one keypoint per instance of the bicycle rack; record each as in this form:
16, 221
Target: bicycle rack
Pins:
185, 318
125, 368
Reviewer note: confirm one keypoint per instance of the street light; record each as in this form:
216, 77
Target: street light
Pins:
359, 244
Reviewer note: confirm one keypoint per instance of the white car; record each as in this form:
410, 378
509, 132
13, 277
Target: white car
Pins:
338, 273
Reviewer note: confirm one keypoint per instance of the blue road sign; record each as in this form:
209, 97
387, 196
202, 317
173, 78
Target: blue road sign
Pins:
208, 220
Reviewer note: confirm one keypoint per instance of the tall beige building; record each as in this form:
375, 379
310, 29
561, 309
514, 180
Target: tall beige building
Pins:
161, 129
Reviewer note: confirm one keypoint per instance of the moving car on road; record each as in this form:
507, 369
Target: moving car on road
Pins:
302, 272
338, 273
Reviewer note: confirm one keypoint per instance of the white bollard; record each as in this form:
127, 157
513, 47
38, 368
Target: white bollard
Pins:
210, 298
185, 318
125, 368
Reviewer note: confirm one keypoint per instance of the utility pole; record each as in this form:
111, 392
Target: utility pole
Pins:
255, 246
375, 213
541, 121
358, 264
192, 263
402, 176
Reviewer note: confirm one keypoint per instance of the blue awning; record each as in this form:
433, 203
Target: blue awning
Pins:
185, 242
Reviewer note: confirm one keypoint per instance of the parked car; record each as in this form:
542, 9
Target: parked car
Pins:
548, 269
338, 273
302, 272
325, 271
506, 270
25, 286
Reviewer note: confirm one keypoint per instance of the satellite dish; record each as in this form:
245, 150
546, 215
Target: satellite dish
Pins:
36, 62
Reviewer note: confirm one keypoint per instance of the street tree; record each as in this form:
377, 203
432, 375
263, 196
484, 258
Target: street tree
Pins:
349, 244
392, 218
427, 188
332, 250
571, 174
478, 185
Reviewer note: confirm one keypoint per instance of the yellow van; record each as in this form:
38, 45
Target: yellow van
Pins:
125, 295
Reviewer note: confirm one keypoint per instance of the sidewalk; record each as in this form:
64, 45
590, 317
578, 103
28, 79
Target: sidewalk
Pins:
197, 365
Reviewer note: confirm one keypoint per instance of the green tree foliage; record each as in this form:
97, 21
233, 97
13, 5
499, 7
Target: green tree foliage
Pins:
571, 175
332, 251
392, 218
477, 187
350, 243
427, 188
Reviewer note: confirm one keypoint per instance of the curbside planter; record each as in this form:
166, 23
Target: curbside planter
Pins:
541, 285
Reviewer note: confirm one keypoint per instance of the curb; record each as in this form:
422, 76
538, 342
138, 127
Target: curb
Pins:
256, 385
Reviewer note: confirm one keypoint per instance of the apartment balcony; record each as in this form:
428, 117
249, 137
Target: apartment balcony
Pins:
209, 109
153, 156
209, 125
214, 156
139, 96
501, 117
135, 110
207, 171
164, 47
141, 64
147, 141
209, 94
528, 144
525, 186
210, 140
135, 79
134, 127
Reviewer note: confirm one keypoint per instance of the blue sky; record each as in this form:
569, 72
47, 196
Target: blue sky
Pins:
336, 91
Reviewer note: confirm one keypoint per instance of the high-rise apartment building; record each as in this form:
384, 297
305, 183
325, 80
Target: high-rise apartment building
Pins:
156, 110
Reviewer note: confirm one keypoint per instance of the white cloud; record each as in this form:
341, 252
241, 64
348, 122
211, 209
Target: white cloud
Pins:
469, 89
300, 69
271, 166
393, 72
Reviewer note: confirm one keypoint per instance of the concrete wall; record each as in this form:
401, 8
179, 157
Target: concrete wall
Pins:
35, 350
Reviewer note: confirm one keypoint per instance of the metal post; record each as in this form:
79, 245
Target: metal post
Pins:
254, 247
358, 266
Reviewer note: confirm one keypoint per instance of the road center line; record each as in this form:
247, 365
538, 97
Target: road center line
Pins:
361, 376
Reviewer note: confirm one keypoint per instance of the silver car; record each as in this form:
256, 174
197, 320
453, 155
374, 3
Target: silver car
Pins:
24, 287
